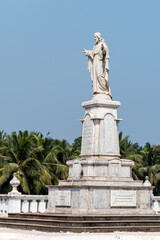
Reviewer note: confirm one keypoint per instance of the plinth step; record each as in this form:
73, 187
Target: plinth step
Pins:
45, 228
69, 223
72, 217
64, 223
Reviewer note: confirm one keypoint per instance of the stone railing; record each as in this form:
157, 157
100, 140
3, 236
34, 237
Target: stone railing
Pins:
23, 203
156, 203
15, 202
34, 203
3, 203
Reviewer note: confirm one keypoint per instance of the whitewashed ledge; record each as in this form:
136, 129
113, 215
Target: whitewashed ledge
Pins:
23, 203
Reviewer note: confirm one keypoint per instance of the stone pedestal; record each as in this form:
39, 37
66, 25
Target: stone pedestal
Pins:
100, 182
100, 129
99, 199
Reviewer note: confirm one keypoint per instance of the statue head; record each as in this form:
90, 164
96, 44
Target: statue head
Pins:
97, 37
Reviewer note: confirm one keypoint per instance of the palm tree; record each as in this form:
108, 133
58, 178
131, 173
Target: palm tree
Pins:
48, 151
65, 150
148, 164
34, 158
127, 148
76, 148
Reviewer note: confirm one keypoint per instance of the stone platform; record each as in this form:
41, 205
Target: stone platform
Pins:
101, 195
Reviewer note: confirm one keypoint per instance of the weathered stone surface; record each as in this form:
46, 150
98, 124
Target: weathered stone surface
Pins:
63, 198
77, 169
87, 140
100, 129
98, 168
99, 199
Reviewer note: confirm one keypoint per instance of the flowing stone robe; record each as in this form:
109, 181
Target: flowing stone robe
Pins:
98, 66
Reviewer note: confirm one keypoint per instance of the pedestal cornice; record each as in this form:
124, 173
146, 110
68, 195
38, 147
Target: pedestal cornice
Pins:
101, 103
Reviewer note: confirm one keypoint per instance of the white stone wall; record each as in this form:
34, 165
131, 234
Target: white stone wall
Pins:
99, 199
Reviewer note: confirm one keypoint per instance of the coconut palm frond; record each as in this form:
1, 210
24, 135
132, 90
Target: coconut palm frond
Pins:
23, 181
7, 172
143, 171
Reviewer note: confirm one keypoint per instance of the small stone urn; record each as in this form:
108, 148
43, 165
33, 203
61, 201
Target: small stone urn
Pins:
14, 183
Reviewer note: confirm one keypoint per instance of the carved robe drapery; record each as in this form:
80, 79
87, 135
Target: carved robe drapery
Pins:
98, 66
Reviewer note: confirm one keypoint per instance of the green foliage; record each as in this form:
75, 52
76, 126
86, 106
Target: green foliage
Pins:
38, 161
146, 159
127, 148
76, 147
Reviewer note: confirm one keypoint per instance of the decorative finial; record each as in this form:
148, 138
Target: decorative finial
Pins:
14, 183
147, 182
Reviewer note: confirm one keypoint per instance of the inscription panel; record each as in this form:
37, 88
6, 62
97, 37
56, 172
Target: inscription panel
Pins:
108, 134
63, 198
123, 198
87, 136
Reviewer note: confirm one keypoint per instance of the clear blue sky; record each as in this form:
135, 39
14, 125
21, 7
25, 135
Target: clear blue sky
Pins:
43, 73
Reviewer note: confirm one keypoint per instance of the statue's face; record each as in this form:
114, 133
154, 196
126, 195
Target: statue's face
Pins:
96, 38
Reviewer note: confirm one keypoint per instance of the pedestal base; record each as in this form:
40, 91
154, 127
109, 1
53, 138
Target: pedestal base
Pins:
89, 197
100, 182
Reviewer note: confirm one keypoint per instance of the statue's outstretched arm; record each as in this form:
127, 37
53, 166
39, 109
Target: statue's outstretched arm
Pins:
88, 53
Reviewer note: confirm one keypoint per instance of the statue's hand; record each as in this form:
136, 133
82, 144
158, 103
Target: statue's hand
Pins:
84, 50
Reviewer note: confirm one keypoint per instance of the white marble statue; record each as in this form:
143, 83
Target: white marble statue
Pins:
98, 66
